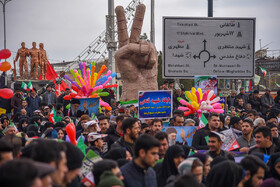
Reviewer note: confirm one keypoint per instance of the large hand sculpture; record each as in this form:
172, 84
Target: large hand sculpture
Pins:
136, 59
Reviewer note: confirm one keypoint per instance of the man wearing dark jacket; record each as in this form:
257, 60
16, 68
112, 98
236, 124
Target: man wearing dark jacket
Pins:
139, 173
243, 96
199, 140
255, 101
16, 100
34, 101
115, 131
131, 131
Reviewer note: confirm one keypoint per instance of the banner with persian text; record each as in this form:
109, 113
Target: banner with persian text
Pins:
155, 104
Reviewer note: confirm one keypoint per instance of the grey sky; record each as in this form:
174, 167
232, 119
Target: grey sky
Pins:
66, 27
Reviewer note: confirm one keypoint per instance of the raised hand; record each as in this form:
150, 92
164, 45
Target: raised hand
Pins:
136, 59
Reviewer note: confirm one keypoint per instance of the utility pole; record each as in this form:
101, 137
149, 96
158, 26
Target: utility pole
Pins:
210, 8
4, 2
110, 38
152, 21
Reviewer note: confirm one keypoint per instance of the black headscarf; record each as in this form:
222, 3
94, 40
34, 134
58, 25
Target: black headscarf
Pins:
168, 167
227, 173
274, 158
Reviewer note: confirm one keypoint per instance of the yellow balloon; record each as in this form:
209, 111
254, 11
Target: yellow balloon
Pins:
189, 95
194, 97
195, 105
193, 90
200, 93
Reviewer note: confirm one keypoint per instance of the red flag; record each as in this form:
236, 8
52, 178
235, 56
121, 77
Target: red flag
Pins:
52, 75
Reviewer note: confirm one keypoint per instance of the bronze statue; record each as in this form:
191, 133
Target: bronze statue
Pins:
35, 60
43, 62
22, 53
136, 59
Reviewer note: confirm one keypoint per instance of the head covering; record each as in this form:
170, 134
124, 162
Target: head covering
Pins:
226, 173
92, 122
94, 136
168, 165
115, 154
46, 107
108, 179
270, 182
202, 157
74, 156
185, 167
219, 135
274, 159
75, 101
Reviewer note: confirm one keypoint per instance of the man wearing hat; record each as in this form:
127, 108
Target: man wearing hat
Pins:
215, 143
74, 109
49, 96
267, 101
96, 142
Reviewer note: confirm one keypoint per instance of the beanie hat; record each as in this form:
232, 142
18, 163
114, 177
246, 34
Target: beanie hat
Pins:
74, 156
108, 179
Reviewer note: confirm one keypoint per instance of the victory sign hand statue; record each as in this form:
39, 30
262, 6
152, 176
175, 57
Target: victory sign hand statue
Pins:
136, 59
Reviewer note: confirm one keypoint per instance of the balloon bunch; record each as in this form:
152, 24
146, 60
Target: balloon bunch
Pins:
199, 102
4, 54
90, 84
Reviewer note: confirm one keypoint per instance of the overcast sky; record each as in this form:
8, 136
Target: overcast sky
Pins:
67, 27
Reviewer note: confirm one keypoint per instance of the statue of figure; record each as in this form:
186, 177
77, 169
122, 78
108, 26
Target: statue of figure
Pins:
22, 53
44, 61
136, 59
35, 60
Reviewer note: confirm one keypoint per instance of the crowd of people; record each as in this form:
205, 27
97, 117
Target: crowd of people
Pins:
35, 149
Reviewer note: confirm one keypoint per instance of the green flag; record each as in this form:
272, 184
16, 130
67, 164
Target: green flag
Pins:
81, 145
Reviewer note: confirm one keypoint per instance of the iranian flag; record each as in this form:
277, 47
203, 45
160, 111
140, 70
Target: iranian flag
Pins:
29, 86
264, 72
24, 86
202, 121
278, 85
52, 115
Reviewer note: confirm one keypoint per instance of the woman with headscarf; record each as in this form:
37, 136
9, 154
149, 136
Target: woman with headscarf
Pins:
226, 173
192, 166
206, 160
22, 126
274, 164
173, 157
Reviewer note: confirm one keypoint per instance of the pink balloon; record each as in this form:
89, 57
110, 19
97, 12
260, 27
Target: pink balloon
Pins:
183, 108
204, 97
217, 111
198, 97
183, 102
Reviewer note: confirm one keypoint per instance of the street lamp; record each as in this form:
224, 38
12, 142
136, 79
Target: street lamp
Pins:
4, 2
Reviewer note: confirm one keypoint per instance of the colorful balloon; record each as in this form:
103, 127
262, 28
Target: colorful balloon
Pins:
5, 66
6, 93
5, 53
